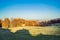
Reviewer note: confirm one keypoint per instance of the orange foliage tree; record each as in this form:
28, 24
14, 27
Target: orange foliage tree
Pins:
18, 22
0, 23
31, 23
6, 23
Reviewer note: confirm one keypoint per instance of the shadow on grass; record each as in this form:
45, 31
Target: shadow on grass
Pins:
24, 34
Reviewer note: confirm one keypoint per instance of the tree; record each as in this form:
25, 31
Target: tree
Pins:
31, 23
18, 22
0, 23
7, 22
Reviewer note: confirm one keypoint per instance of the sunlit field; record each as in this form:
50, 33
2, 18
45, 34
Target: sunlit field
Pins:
30, 33
49, 30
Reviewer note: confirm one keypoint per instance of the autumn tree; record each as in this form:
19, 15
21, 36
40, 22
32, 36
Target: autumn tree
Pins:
18, 22
6, 22
0, 23
31, 23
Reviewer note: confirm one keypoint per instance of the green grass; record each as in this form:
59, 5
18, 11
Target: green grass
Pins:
30, 33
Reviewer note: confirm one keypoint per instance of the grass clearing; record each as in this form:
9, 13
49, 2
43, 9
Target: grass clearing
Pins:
38, 30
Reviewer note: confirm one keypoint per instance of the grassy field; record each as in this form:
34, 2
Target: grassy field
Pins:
30, 33
38, 30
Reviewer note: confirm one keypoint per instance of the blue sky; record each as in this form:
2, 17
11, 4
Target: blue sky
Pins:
30, 9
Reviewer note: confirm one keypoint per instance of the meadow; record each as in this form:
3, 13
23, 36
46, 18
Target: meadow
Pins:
30, 33
35, 30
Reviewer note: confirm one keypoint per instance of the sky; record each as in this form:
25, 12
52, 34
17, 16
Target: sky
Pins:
30, 9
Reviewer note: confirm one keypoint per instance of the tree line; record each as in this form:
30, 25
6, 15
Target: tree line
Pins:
22, 22
50, 22
17, 22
